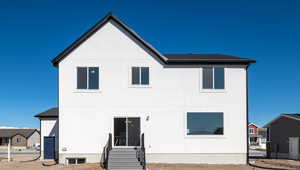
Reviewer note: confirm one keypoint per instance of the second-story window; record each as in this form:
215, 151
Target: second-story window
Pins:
251, 131
140, 75
87, 78
213, 78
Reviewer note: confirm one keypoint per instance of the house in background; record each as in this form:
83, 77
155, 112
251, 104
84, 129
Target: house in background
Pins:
49, 133
257, 136
20, 138
119, 95
283, 137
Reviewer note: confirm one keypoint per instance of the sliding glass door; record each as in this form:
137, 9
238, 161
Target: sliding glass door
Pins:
127, 131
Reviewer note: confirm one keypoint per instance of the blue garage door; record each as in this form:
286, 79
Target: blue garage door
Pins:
49, 147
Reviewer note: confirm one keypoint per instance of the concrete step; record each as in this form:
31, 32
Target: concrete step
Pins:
123, 160
122, 156
126, 168
125, 164
123, 149
122, 153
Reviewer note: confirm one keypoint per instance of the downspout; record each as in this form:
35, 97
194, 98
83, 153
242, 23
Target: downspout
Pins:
58, 122
247, 116
40, 138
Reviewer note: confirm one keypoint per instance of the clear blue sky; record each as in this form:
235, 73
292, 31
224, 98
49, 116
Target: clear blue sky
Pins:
32, 32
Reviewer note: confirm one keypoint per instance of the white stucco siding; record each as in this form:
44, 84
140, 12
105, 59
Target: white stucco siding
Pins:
86, 117
49, 127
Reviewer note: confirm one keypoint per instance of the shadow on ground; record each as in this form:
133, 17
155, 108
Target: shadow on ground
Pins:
264, 167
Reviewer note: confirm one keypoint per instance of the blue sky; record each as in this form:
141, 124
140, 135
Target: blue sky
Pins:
34, 31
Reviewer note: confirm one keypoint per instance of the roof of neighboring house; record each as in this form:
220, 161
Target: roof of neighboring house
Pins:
50, 113
253, 125
294, 116
12, 132
167, 58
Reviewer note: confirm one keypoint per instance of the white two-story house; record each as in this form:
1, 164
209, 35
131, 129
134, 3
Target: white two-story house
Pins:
119, 94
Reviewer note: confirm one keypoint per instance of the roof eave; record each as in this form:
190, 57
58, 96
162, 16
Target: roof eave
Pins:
278, 117
37, 116
182, 62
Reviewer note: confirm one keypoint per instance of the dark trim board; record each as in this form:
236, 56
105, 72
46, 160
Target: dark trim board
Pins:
247, 115
168, 59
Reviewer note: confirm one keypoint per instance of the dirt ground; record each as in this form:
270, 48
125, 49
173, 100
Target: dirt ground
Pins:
21, 162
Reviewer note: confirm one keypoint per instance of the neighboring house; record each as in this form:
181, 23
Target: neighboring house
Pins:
283, 137
257, 136
262, 132
20, 138
116, 90
253, 134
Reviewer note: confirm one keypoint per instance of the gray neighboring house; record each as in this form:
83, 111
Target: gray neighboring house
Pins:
20, 138
283, 137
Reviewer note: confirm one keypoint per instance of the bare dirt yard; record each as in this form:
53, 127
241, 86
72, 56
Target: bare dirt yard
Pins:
21, 162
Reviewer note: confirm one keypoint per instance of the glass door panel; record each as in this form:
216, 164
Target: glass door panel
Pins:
120, 132
133, 131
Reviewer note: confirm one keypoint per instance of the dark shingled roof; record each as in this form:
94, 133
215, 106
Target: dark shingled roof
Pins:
206, 59
51, 113
12, 132
295, 115
169, 59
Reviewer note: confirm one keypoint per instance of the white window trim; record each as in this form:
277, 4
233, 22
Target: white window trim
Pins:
211, 90
250, 131
87, 90
138, 85
204, 136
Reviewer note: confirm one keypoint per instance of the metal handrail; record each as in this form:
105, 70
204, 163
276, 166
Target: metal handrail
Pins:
105, 152
141, 152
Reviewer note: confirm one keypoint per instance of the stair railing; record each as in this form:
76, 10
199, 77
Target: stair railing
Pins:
105, 152
141, 152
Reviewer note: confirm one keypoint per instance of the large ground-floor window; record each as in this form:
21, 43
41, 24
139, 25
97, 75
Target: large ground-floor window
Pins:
205, 123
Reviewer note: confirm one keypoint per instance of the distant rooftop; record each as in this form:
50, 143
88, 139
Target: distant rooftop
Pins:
12, 132
294, 115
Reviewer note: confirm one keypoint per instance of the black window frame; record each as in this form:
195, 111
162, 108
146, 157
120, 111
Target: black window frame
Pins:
188, 133
87, 77
213, 68
141, 81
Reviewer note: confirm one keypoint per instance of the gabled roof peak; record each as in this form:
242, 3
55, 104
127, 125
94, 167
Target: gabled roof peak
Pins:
167, 58
95, 28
